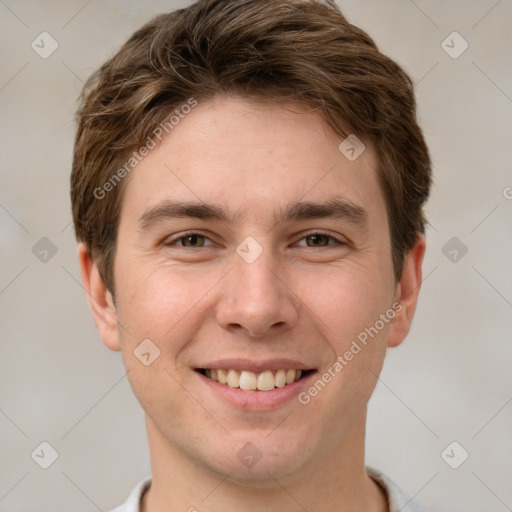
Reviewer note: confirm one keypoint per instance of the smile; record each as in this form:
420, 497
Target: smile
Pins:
250, 381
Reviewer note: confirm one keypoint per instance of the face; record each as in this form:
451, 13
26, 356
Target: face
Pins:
249, 248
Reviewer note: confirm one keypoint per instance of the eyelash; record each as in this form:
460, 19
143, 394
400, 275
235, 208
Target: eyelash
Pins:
187, 234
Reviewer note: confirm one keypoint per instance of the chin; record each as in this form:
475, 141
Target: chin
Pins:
259, 461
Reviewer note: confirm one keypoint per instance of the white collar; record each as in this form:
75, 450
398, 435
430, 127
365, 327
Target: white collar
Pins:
397, 500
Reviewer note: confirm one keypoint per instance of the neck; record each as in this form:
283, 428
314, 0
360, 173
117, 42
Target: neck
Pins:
336, 480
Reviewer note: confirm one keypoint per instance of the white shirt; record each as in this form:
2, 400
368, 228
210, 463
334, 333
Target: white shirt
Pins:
397, 500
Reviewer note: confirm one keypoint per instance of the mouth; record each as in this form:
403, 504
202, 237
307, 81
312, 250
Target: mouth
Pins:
246, 380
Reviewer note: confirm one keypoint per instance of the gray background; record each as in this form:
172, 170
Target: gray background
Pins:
451, 379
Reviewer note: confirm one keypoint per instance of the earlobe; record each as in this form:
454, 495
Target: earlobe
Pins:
100, 299
407, 292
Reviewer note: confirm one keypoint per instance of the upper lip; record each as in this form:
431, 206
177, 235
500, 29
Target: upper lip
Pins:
255, 366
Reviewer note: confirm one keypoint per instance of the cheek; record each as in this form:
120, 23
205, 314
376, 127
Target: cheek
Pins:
155, 304
161, 302
148, 297
348, 315
347, 301
349, 310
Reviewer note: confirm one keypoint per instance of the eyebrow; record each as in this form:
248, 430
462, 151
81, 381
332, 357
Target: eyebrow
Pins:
334, 208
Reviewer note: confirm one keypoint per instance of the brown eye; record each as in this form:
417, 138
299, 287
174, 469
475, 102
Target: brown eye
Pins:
318, 240
193, 241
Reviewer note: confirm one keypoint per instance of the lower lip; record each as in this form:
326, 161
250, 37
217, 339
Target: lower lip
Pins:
258, 400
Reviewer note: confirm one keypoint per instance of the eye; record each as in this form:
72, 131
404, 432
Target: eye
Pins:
319, 240
195, 240
191, 240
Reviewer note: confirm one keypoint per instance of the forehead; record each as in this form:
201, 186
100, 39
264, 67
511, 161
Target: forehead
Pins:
254, 158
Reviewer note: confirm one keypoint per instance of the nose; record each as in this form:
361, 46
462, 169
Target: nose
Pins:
256, 299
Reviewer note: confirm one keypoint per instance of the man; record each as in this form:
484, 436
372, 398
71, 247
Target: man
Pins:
247, 190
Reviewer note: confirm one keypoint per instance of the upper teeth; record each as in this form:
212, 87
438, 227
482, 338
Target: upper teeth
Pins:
250, 381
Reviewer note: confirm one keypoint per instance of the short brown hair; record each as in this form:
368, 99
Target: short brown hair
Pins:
275, 50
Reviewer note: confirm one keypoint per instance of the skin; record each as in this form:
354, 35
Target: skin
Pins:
303, 298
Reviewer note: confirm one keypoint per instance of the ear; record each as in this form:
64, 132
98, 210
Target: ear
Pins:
407, 291
100, 299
